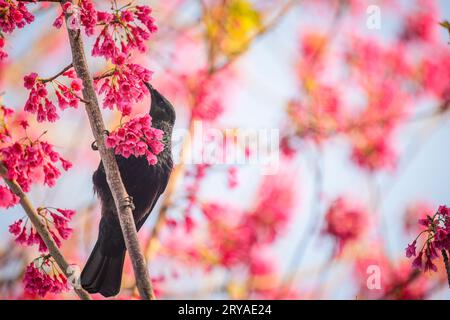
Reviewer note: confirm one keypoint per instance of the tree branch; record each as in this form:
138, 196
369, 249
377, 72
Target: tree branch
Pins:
447, 265
57, 75
41, 229
121, 198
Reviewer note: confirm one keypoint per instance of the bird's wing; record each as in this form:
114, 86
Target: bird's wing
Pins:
144, 218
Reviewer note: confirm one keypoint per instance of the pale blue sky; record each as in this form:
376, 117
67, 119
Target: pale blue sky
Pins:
268, 83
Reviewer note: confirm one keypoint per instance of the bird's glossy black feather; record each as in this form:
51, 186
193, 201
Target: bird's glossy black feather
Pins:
144, 183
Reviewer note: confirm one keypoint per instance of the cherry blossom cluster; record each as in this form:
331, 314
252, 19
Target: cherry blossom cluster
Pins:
393, 279
27, 161
371, 132
237, 233
208, 105
13, 15
7, 198
232, 177
321, 117
345, 221
137, 138
124, 30
3, 54
42, 276
414, 211
38, 101
56, 221
208, 102
234, 232
236, 238
194, 180
30, 161
324, 113
323, 110
273, 211
83, 14
124, 85
436, 231
88, 16
419, 24
67, 8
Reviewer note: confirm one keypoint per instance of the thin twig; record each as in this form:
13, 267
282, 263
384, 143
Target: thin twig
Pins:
312, 226
105, 75
57, 75
120, 195
402, 285
41, 229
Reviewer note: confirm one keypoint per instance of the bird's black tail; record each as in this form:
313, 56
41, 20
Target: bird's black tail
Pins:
103, 270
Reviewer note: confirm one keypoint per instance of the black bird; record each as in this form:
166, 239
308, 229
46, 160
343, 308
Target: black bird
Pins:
144, 183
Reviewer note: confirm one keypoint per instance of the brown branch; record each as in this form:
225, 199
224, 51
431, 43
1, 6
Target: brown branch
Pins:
57, 75
447, 265
105, 75
41, 229
121, 198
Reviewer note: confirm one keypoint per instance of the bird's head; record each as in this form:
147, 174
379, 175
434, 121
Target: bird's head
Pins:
161, 109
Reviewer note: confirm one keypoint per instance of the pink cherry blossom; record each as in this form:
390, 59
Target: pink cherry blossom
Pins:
232, 177
3, 54
124, 87
23, 160
56, 220
38, 102
346, 221
7, 198
436, 235
42, 277
208, 103
124, 31
421, 24
14, 15
411, 249
137, 138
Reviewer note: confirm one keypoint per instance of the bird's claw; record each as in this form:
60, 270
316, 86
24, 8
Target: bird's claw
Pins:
128, 203
94, 145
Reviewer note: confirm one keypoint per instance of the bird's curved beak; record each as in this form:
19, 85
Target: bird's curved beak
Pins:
157, 98
154, 93
150, 88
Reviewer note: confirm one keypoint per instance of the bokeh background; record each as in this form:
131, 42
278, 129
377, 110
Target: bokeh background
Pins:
362, 116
